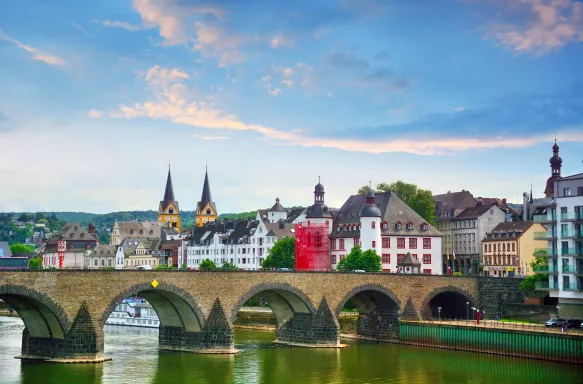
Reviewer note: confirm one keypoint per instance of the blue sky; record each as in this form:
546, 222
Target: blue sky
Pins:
97, 97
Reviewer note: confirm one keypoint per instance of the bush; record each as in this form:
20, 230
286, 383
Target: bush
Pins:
207, 265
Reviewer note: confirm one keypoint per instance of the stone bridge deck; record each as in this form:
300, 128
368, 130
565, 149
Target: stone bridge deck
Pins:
65, 311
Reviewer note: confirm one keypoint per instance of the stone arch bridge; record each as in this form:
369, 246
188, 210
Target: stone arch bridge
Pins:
64, 312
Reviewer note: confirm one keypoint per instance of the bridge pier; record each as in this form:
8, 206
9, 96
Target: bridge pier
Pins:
380, 325
318, 330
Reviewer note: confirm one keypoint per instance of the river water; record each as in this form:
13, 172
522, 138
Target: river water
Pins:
137, 360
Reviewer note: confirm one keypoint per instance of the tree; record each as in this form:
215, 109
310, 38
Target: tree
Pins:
368, 261
282, 255
208, 265
35, 263
539, 263
21, 248
229, 267
420, 200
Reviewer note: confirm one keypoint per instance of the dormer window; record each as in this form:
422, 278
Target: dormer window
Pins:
409, 226
151, 232
424, 227
71, 235
76, 228
131, 231
82, 235
171, 211
385, 225
399, 226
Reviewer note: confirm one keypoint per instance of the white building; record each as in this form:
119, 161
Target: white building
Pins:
389, 226
244, 243
564, 223
103, 256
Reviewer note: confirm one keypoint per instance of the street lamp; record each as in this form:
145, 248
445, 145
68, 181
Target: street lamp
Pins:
467, 310
473, 312
439, 313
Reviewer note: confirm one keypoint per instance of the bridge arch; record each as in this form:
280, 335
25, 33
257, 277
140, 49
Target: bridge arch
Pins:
452, 300
175, 307
378, 311
369, 297
42, 317
284, 300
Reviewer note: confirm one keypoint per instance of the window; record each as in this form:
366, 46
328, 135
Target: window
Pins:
400, 258
401, 243
399, 226
333, 259
427, 259
385, 226
424, 227
386, 242
409, 226
151, 231
427, 271
491, 211
427, 243
374, 244
513, 247
356, 241
95, 262
341, 245
373, 224
131, 231
413, 243
566, 191
386, 258
333, 244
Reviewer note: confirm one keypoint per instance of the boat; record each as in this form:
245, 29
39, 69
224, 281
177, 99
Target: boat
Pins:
134, 312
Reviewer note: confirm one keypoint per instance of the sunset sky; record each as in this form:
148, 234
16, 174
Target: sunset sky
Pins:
96, 97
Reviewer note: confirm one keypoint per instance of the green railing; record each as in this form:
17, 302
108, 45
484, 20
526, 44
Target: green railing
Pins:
568, 251
570, 216
569, 269
541, 218
544, 235
568, 233
544, 252
545, 269
572, 286
545, 285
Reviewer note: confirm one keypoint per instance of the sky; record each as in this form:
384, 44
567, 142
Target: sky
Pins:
98, 98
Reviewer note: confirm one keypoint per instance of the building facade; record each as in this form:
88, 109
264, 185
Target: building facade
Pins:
390, 227
206, 209
168, 210
447, 207
468, 230
69, 247
509, 248
135, 229
102, 257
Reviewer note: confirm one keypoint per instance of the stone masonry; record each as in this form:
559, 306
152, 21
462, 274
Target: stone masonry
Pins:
65, 311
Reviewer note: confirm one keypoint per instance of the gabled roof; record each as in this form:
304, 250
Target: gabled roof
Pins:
408, 260
130, 243
453, 201
393, 210
280, 229
475, 212
294, 214
104, 250
140, 229
169, 193
73, 231
505, 228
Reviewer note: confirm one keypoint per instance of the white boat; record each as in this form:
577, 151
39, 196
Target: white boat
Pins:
134, 312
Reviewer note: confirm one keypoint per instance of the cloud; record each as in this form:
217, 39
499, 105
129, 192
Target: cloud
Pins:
347, 60
281, 41
548, 26
287, 72
171, 101
459, 109
288, 83
81, 29
273, 91
95, 114
37, 54
119, 24
209, 138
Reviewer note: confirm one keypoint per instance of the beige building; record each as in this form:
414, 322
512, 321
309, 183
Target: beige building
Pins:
103, 256
140, 251
509, 248
135, 229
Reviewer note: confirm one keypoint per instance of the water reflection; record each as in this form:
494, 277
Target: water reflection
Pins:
136, 359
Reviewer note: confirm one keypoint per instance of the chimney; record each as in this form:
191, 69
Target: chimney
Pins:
504, 201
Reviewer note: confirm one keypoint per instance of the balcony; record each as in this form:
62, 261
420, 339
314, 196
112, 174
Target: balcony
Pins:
545, 235
544, 252
544, 202
568, 252
569, 234
544, 219
546, 286
570, 269
572, 286
571, 216
547, 269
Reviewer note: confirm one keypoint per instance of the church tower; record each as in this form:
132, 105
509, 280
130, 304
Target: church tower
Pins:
206, 210
556, 163
370, 224
168, 210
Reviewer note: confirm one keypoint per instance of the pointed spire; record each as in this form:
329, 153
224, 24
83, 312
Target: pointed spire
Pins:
169, 192
530, 200
206, 190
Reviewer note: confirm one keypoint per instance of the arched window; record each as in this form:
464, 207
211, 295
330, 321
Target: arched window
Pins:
513, 247
494, 247
208, 211
489, 247
71, 235
171, 210
151, 231
503, 247
132, 231
141, 231
82, 235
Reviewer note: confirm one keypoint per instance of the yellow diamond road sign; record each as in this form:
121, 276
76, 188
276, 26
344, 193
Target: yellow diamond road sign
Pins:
154, 283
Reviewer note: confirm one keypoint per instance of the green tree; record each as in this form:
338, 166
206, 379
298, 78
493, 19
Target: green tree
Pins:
420, 200
21, 248
35, 263
539, 263
368, 261
208, 265
229, 267
282, 255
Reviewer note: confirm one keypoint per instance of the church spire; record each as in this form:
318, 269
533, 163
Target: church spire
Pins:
206, 190
169, 192
206, 210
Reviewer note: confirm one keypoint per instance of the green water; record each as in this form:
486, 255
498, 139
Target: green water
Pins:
136, 360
